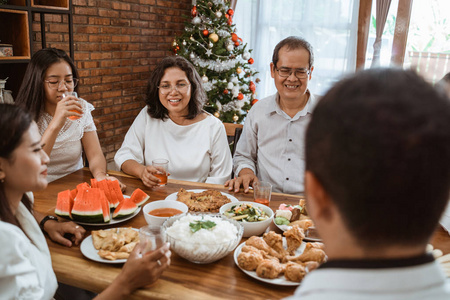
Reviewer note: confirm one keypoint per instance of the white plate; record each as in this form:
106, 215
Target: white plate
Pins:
287, 227
173, 196
88, 250
113, 221
277, 281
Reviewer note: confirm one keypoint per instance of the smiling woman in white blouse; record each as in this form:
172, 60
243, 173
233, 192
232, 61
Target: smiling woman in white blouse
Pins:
174, 126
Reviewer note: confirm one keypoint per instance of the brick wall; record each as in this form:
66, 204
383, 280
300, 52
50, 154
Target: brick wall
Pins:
117, 44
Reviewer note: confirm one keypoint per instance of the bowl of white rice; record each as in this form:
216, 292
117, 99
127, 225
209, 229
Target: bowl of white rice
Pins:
202, 238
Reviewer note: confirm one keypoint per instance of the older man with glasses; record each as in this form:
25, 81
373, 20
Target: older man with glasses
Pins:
271, 146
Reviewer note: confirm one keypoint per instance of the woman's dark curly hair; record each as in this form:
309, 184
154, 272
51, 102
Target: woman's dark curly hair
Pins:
198, 95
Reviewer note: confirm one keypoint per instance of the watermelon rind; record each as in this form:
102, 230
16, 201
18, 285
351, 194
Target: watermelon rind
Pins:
125, 208
139, 197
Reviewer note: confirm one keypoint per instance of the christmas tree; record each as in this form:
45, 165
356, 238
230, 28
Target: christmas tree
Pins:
223, 61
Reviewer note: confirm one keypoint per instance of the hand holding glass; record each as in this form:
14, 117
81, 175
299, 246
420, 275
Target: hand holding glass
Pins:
162, 166
150, 238
66, 94
261, 192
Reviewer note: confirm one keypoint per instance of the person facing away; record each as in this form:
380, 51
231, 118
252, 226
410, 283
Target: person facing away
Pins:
49, 76
271, 145
377, 181
26, 266
174, 126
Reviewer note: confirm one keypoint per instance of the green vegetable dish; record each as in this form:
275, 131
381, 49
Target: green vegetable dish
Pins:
246, 213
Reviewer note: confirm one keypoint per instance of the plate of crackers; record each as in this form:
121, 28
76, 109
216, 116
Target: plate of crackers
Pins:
111, 246
202, 200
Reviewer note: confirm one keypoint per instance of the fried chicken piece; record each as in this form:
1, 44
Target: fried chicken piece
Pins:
316, 245
311, 265
98, 237
206, 201
294, 272
110, 255
249, 260
312, 254
294, 237
269, 269
247, 248
129, 234
260, 244
275, 241
304, 224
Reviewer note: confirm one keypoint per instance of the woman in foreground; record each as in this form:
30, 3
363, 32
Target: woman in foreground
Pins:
26, 271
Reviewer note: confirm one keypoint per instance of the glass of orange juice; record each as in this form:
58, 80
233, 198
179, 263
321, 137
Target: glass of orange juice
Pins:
162, 167
73, 110
262, 191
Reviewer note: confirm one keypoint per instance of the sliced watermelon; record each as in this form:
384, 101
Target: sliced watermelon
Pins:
139, 197
125, 208
73, 193
105, 207
88, 206
94, 183
115, 192
64, 204
83, 186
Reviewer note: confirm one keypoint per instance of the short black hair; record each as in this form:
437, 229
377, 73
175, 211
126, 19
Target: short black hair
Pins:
293, 43
379, 143
198, 95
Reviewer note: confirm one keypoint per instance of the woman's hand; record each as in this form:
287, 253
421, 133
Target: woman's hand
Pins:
139, 270
69, 106
57, 231
148, 178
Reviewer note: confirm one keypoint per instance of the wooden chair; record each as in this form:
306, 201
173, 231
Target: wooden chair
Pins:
234, 132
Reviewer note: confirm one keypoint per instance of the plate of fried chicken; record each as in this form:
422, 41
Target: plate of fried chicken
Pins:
280, 260
202, 200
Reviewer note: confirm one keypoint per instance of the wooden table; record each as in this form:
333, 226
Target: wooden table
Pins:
183, 280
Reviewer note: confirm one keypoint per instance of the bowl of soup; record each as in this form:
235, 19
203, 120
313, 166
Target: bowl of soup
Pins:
156, 212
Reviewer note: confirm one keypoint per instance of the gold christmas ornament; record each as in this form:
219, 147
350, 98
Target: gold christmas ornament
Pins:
174, 43
213, 37
216, 114
239, 70
235, 118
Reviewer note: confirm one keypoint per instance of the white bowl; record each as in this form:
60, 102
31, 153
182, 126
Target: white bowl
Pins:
158, 221
204, 251
251, 228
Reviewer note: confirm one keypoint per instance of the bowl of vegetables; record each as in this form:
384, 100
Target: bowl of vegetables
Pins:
254, 217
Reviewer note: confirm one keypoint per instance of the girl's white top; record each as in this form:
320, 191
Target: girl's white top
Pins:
66, 157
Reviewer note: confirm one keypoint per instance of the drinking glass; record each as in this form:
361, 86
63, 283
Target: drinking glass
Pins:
151, 237
162, 165
72, 110
261, 192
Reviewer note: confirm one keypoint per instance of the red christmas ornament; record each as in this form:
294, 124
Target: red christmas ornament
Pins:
230, 21
227, 16
230, 12
205, 32
254, 101
194, 11
234, 37
225, 91
252, 86
240, 96
251, 61
236, 44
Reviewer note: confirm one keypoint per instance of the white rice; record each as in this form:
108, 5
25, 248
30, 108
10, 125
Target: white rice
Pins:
204, 243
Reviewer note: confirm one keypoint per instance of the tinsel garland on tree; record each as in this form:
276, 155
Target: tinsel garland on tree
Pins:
221, 58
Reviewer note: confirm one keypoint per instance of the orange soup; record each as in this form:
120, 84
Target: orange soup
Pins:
165, 212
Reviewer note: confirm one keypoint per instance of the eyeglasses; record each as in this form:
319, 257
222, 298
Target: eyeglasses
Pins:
179, 87
69, 83
299, 73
